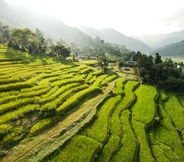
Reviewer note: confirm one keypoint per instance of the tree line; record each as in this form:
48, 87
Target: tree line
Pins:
34, 42
164, 74
27, 40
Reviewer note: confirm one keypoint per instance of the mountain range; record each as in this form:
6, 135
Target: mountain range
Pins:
174, 49
112, 36
159, 40
18, 16
56, 29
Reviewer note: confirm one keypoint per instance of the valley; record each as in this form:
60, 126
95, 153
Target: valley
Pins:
54, 110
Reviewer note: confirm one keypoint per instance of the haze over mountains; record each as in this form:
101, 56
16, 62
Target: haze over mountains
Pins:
159, 40
17, 16
113, 36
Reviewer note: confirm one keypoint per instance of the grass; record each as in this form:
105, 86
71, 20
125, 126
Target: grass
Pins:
56, 92
32, 85
115, 122
181, 100
167, 139
101, 123
145, 154
109, 149
119, 86
43, 123
20, 112
128, 141
108, 79
74, 151
99, 80
144, 109
78, 97
16, 103
175, 111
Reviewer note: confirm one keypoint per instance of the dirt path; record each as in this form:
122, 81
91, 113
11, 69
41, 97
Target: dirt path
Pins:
28, 147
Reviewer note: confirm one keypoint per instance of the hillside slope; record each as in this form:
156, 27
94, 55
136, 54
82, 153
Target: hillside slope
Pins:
159, 40
10, 17
53, 108
113, 36
174, 49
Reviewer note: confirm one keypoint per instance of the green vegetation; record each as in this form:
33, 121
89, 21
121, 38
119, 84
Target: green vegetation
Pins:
174, 49
181, 100
165, 74
78, 150
129, 143
144, 109
175, 111
119, 86
53, 109
101, 124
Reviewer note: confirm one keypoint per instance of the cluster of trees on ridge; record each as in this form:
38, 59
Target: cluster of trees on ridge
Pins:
27, 40
164, 74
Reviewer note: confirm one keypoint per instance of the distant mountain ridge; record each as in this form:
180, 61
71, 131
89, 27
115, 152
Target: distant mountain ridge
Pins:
160, 40
56, 30
112, 36
10, 17
171, 38
174, 49
17, 16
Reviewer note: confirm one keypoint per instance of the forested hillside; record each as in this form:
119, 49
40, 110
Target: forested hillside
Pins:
113, 36
175, 50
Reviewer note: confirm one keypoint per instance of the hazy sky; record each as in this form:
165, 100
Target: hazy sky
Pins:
127, 16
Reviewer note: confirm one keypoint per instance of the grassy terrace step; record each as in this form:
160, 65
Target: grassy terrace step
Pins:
51, 140
20, 112
143, 113
129, 143
165, 141
181, 100
115, 122
67, 81
93, 74
119, 86
16, 104
108, 79
81, 151
56, 92
78, 97
101, 123
43, 123
175, 111
144, 109
14, 86
55, 100
145, 152
86, 134
109, 149
98, 81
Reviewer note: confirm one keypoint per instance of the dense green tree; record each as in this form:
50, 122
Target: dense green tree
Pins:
22, 36
39, 34
158, 58
62, 51
102, 61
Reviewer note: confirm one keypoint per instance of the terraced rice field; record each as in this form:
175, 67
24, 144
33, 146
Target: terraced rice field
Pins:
59, 111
